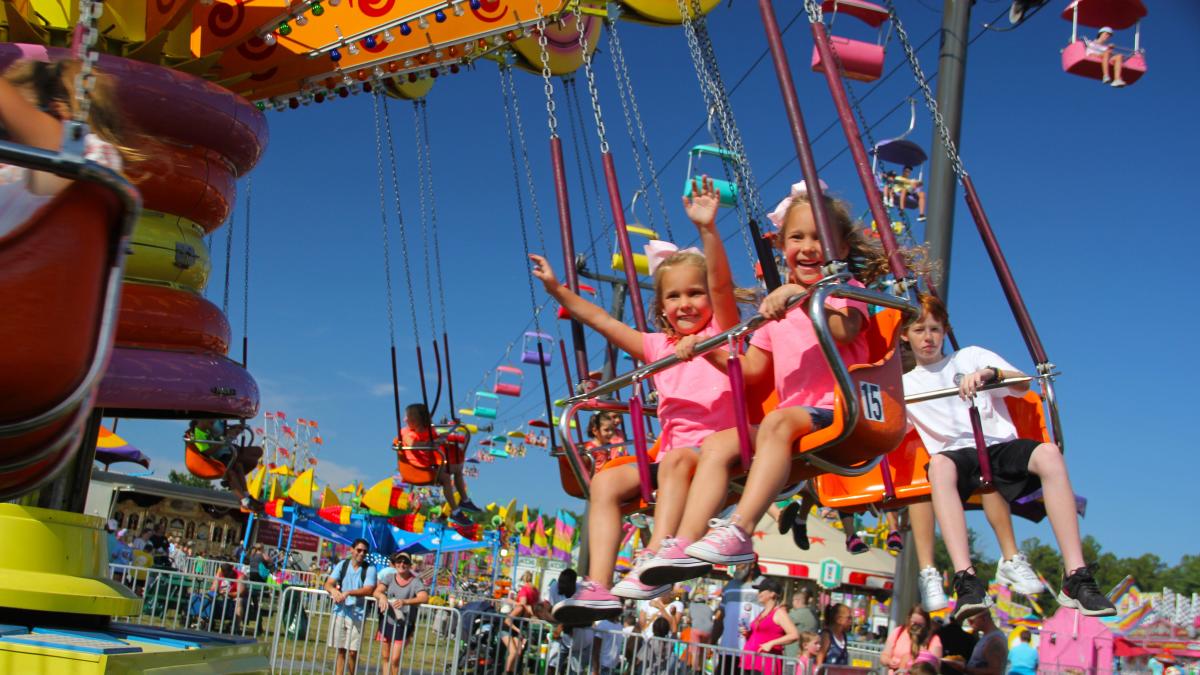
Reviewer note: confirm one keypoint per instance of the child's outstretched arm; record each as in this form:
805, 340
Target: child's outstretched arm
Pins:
701, 208
595, 317
25, 123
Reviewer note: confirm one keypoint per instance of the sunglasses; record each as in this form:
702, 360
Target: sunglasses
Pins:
360, 550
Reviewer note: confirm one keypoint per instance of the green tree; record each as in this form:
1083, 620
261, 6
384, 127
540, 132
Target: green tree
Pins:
185, 478
1184, 577
985, 568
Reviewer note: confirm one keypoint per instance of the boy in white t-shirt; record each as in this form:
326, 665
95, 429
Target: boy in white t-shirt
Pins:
1019, 466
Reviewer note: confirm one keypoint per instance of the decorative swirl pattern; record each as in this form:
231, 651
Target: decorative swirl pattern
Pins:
490, 11
164, 6
225, 20
376, 8
255, 49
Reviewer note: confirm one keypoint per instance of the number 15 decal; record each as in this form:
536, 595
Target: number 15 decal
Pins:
872, 401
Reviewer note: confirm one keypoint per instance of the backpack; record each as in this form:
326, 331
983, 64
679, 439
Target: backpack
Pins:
362, 581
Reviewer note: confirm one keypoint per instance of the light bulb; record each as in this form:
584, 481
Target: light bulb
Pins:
352, 48
301, 20
334, 3
268, 38
423, 23
388, 37
458, 10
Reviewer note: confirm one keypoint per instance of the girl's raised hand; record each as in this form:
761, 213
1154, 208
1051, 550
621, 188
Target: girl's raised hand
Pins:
544, 272
701, 205
685, 348
774, 306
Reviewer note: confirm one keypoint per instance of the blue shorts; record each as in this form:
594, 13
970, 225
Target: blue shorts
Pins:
821, 417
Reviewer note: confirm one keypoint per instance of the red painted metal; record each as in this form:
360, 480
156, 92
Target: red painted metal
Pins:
618, 210
562, 200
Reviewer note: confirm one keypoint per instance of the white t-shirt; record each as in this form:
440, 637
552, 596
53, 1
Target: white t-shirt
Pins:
945, 423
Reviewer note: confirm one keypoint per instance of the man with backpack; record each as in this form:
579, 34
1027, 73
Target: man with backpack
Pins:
349, 584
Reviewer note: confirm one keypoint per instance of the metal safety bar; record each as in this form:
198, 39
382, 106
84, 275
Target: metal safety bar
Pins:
570, 450
953, 391
434, 445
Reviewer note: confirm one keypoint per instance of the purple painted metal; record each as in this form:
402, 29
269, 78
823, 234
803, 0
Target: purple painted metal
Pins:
160, 384
831, 239
985, 462
578, 342
862, 163
1007, 282
889, 488
646, 484
737, 382
618, 210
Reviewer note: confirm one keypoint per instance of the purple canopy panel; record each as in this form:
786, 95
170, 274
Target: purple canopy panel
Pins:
900, 151
107, 456
159, 384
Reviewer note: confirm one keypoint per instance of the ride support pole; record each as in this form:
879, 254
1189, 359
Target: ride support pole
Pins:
449, 377
578, 342
546, 392
396, 393
437, 392
831, 239
952, 70
618, 210
1015, 301
862, 163
421, 375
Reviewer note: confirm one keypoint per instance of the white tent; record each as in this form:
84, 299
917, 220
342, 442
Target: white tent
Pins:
826, 561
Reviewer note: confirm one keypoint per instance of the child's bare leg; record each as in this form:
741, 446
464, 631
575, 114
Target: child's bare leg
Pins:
609, 490
1118, 62
1104, 64
447, 484
1047, 462
999, 516
772, 463
943, 479
920, 519
892, 520
460, 482
711, 483
674, 479
920, 202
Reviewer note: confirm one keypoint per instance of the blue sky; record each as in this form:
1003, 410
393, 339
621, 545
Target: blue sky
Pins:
1085, 186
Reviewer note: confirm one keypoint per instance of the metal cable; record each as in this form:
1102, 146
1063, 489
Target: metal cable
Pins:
512, 151
391, 147
433, 218
419, 146
383, 220
575, 122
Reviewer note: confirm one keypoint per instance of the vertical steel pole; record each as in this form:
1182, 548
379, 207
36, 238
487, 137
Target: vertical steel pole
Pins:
618, 210
578, 342
952, 71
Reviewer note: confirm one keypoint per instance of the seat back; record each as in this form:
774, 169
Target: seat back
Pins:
1077, 61
862, 61
202, 465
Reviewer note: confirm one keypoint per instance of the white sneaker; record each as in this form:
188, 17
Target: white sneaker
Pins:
1106, 80
933, 595
1119, 82
1019, 575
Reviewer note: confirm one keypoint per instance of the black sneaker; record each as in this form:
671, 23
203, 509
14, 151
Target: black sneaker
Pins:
566, 582
788, 516
970, 596
1079, 591
800, 534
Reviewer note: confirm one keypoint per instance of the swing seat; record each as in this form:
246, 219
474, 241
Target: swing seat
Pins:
571, 486
726, 190
906, 465
60, 281
418, 465
507, 389
486, 413
1077, 61
640, 263
510, 386
202, 465
862, 61
529, 352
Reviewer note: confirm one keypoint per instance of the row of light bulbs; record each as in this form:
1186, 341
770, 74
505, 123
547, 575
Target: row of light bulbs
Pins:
317, 8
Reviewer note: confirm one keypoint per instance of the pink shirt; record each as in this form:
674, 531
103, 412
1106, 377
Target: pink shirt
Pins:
694, 398
802, 375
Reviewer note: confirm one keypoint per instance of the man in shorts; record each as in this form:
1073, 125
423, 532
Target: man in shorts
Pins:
349, 584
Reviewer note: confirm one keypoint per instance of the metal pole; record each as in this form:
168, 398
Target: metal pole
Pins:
952, 70
578, 342
618, 211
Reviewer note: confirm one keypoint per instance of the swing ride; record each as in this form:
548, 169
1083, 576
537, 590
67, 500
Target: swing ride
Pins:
130, 332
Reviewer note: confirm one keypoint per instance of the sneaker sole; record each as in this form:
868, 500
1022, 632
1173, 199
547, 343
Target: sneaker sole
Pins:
1015, 584
640, 594
937, 607
673, 574
584, 613
967, 611
1065, 600
718, 559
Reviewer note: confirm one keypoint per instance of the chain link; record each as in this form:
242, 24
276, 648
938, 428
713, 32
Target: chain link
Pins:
930, 102
433, 217
383, 219
508, 97
520, 126
547, 81
591, 80
814, 11
391, 148
85, 81
422, 204
581, 151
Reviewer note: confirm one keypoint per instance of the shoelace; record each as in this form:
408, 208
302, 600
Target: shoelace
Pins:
724, 529
1086, 581
1023, 568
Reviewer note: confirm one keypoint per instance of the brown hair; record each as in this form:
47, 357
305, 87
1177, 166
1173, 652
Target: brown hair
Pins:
675, 260
868, 262
922, 637
933, 306
806, 637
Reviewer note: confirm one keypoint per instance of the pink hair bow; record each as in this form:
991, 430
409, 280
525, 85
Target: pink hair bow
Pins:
798, 190
657, 251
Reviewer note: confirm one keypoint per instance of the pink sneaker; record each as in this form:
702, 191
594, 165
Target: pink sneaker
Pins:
725, 544
633, 587
590, 603
671, 565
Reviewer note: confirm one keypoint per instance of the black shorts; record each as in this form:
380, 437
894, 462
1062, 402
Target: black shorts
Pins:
393, 629
1010, 469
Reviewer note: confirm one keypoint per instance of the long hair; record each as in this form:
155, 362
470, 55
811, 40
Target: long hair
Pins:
868, 262
926, 631
677, 259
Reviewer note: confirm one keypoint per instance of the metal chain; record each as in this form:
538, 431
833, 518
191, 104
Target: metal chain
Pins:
633, 146
930, 103
87, 35
391, 147
575, 123
433, 217
814, 11
246, 263
228, 259
591, 80
626, 83
520, 126
512, 151
547, 82
423, 210
383, 220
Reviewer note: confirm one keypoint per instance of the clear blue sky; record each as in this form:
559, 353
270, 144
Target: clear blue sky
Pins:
1084, 184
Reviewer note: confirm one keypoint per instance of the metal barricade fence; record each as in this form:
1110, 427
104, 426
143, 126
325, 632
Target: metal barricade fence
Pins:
616, 653
173, 599
432, 640
865, 654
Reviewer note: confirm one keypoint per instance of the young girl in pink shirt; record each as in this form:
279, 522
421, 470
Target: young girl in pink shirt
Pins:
787, 349
693, 297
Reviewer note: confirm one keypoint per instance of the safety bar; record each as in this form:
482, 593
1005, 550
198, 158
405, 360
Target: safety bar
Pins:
953, 391
570, 449
434, 445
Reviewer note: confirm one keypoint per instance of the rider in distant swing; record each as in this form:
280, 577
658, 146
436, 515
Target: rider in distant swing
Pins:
211, 453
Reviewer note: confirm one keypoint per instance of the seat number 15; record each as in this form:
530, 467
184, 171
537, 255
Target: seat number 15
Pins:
872, 401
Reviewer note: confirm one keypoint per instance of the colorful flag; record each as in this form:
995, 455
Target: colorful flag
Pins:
564, 536
525, 547
540, 546
625, 555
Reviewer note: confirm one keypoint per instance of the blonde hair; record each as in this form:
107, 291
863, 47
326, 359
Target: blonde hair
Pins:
678, 259
868, 262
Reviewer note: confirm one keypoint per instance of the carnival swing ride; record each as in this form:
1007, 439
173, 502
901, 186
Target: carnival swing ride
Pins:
127, 333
